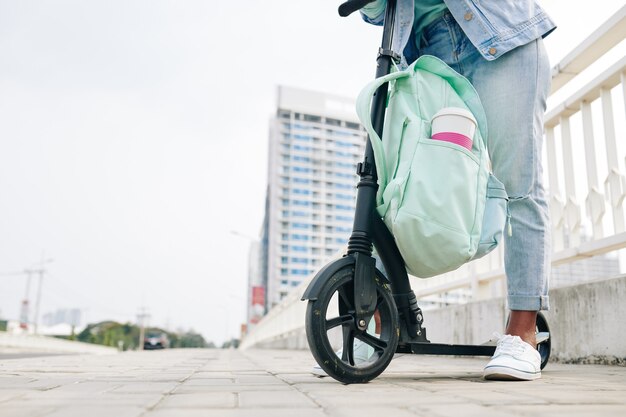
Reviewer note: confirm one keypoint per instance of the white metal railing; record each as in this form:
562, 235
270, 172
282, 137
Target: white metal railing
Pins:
601, 179
485, 278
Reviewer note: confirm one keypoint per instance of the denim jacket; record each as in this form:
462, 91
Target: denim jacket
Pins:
493, 26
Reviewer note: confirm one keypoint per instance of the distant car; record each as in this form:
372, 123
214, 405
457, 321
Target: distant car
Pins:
156, 341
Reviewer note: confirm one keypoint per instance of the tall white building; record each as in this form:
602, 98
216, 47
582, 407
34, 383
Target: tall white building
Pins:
315, 143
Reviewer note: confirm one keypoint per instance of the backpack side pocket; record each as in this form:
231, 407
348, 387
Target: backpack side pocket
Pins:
494, 218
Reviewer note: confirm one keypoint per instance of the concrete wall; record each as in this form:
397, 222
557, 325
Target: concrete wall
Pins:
586, 323
32, 343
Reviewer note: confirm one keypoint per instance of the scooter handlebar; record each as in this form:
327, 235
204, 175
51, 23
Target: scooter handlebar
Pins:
351, 6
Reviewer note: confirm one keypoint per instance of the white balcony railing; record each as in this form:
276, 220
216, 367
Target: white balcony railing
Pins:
583, 197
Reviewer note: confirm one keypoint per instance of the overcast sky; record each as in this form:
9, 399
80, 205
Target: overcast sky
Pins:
133, 138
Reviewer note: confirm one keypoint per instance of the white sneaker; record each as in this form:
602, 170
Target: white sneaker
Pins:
362, 353
513, 359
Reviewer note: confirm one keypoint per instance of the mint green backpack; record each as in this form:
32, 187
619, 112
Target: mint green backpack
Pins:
438, 199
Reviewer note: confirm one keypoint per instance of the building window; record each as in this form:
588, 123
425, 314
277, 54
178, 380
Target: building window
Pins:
344, 165
344, 196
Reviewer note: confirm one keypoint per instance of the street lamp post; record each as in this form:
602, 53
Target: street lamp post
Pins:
41, 272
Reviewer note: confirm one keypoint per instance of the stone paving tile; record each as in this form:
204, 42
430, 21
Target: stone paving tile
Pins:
26, 410
213, 375
201, 400
356, 410
100, 411
43, 384
141, 387
386, 399
576, 396
274, 399
52, 399
194, 389
10, 381
465, 410
229, 383
9, 394
204, 382
492, 397
81, 388
258, 380
567, 410
240, 412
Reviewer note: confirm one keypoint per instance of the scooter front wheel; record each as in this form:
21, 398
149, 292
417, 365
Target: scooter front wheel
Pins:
345, 352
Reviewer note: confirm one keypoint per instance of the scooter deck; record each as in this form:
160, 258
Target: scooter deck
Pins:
427, 348
424, 348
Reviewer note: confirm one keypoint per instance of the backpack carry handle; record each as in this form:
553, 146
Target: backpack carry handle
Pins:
351, 6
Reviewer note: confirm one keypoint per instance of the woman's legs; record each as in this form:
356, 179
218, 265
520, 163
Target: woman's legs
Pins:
513, 90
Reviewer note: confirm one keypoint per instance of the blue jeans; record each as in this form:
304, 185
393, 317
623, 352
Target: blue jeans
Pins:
513, 90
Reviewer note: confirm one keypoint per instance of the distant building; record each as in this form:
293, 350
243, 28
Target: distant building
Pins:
71, 317
256, 287
315, 144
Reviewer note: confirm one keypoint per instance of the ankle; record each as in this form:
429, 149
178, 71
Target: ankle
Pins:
522, 324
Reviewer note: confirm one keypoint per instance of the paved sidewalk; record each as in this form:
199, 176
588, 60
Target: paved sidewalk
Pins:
265, 383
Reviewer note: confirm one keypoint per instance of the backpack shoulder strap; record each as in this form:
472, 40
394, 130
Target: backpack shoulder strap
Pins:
363, 108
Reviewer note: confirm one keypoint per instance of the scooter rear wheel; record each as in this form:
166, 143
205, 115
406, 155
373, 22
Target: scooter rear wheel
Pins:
331, 330
544, 345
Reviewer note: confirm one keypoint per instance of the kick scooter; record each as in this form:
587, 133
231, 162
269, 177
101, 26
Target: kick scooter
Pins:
345, 294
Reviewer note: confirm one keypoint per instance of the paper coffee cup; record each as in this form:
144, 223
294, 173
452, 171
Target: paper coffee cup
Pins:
455, 125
